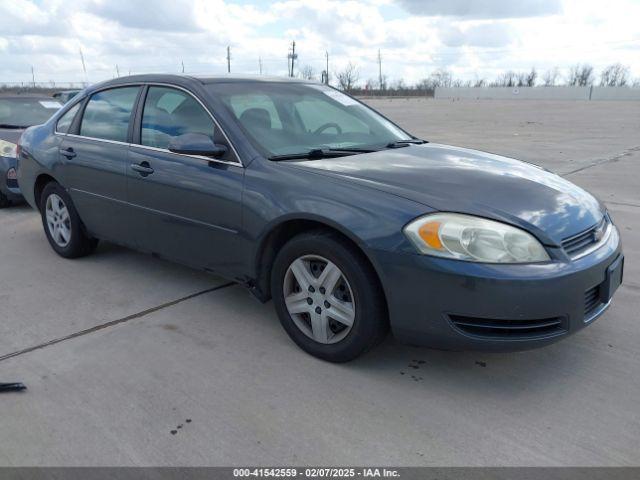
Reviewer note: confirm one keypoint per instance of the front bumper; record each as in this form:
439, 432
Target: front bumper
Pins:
455, 305
9, 188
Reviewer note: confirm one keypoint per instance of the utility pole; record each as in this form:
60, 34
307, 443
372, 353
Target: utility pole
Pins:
228, 59
326, 54
84, 68
380, 86
33, 77
293, 57
117, 71
182, 61
260, 64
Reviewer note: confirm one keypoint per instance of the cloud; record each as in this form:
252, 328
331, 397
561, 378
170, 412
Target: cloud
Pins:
163, 15
482, 35
482, 8
471, 38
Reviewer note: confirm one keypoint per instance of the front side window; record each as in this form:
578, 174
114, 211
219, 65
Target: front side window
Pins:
108, 113
289, 118
169, 113
64, 123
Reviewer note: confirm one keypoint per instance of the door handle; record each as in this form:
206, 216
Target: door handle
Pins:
68, 152
143, 168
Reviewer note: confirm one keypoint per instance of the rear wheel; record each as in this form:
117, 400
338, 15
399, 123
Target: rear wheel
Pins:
328, 297
62, 225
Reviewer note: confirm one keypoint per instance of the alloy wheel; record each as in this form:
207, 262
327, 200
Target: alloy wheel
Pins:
319, 299
58, 220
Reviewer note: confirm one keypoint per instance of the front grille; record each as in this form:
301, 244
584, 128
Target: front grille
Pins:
592, 300
509, 329
12, 183
578, 243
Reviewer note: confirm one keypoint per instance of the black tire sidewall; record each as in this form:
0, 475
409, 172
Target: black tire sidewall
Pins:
370, 323
79, 244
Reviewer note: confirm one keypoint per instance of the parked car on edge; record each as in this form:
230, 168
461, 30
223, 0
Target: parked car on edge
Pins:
18, 112
309, 197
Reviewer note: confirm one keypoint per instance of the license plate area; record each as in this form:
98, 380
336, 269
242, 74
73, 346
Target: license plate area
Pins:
613, 279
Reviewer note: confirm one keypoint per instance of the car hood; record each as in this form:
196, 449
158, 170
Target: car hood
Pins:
460, 180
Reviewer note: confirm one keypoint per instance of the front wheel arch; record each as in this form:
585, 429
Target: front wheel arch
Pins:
279, 234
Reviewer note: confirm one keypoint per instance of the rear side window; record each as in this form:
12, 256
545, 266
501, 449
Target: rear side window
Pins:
170, 113
107, 114
64, 123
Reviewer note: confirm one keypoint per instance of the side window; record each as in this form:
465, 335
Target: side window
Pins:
65, 121
108, 113
170, 113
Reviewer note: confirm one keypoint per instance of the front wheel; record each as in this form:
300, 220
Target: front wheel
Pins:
62, 225
328, 297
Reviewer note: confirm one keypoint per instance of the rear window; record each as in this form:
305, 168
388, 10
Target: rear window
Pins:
108, 113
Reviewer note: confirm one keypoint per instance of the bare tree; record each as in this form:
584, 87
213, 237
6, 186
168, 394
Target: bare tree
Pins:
550, 77
530, 78
348, 77
441, 78
308, 73
580, 75
479, 82
616, 75
636, 82
370, 84
507, 79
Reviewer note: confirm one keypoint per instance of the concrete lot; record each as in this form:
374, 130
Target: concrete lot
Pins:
214, 380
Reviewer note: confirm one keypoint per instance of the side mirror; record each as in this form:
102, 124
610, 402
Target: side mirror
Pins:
196, 144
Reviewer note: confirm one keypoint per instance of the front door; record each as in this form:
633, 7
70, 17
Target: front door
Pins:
185, 208
95, 161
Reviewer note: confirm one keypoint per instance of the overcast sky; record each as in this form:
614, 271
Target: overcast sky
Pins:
471, 38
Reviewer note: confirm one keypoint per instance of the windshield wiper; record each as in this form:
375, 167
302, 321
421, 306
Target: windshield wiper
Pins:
406, 143
319, 153
14, 127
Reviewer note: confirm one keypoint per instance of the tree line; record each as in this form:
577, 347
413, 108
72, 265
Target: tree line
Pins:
579, 75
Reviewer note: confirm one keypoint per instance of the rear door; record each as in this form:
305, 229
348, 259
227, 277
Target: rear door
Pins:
185, 208
94, 158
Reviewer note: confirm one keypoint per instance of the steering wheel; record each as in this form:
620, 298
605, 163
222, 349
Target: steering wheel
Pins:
322, 128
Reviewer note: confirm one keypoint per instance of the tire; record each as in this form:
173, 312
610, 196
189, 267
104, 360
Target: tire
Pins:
75, 242
358, 286
4, 201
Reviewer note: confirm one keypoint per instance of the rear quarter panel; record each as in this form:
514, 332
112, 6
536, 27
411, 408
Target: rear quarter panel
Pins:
39, 154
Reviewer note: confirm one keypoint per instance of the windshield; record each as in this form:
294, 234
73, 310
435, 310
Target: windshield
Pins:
282, 119
25, 112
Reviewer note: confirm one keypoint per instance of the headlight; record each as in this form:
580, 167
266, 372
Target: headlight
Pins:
8, 149
474, 239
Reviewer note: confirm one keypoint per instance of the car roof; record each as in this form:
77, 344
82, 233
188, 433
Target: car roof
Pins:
179, 79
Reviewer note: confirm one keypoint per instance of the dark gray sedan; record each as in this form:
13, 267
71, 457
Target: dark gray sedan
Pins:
309, 197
